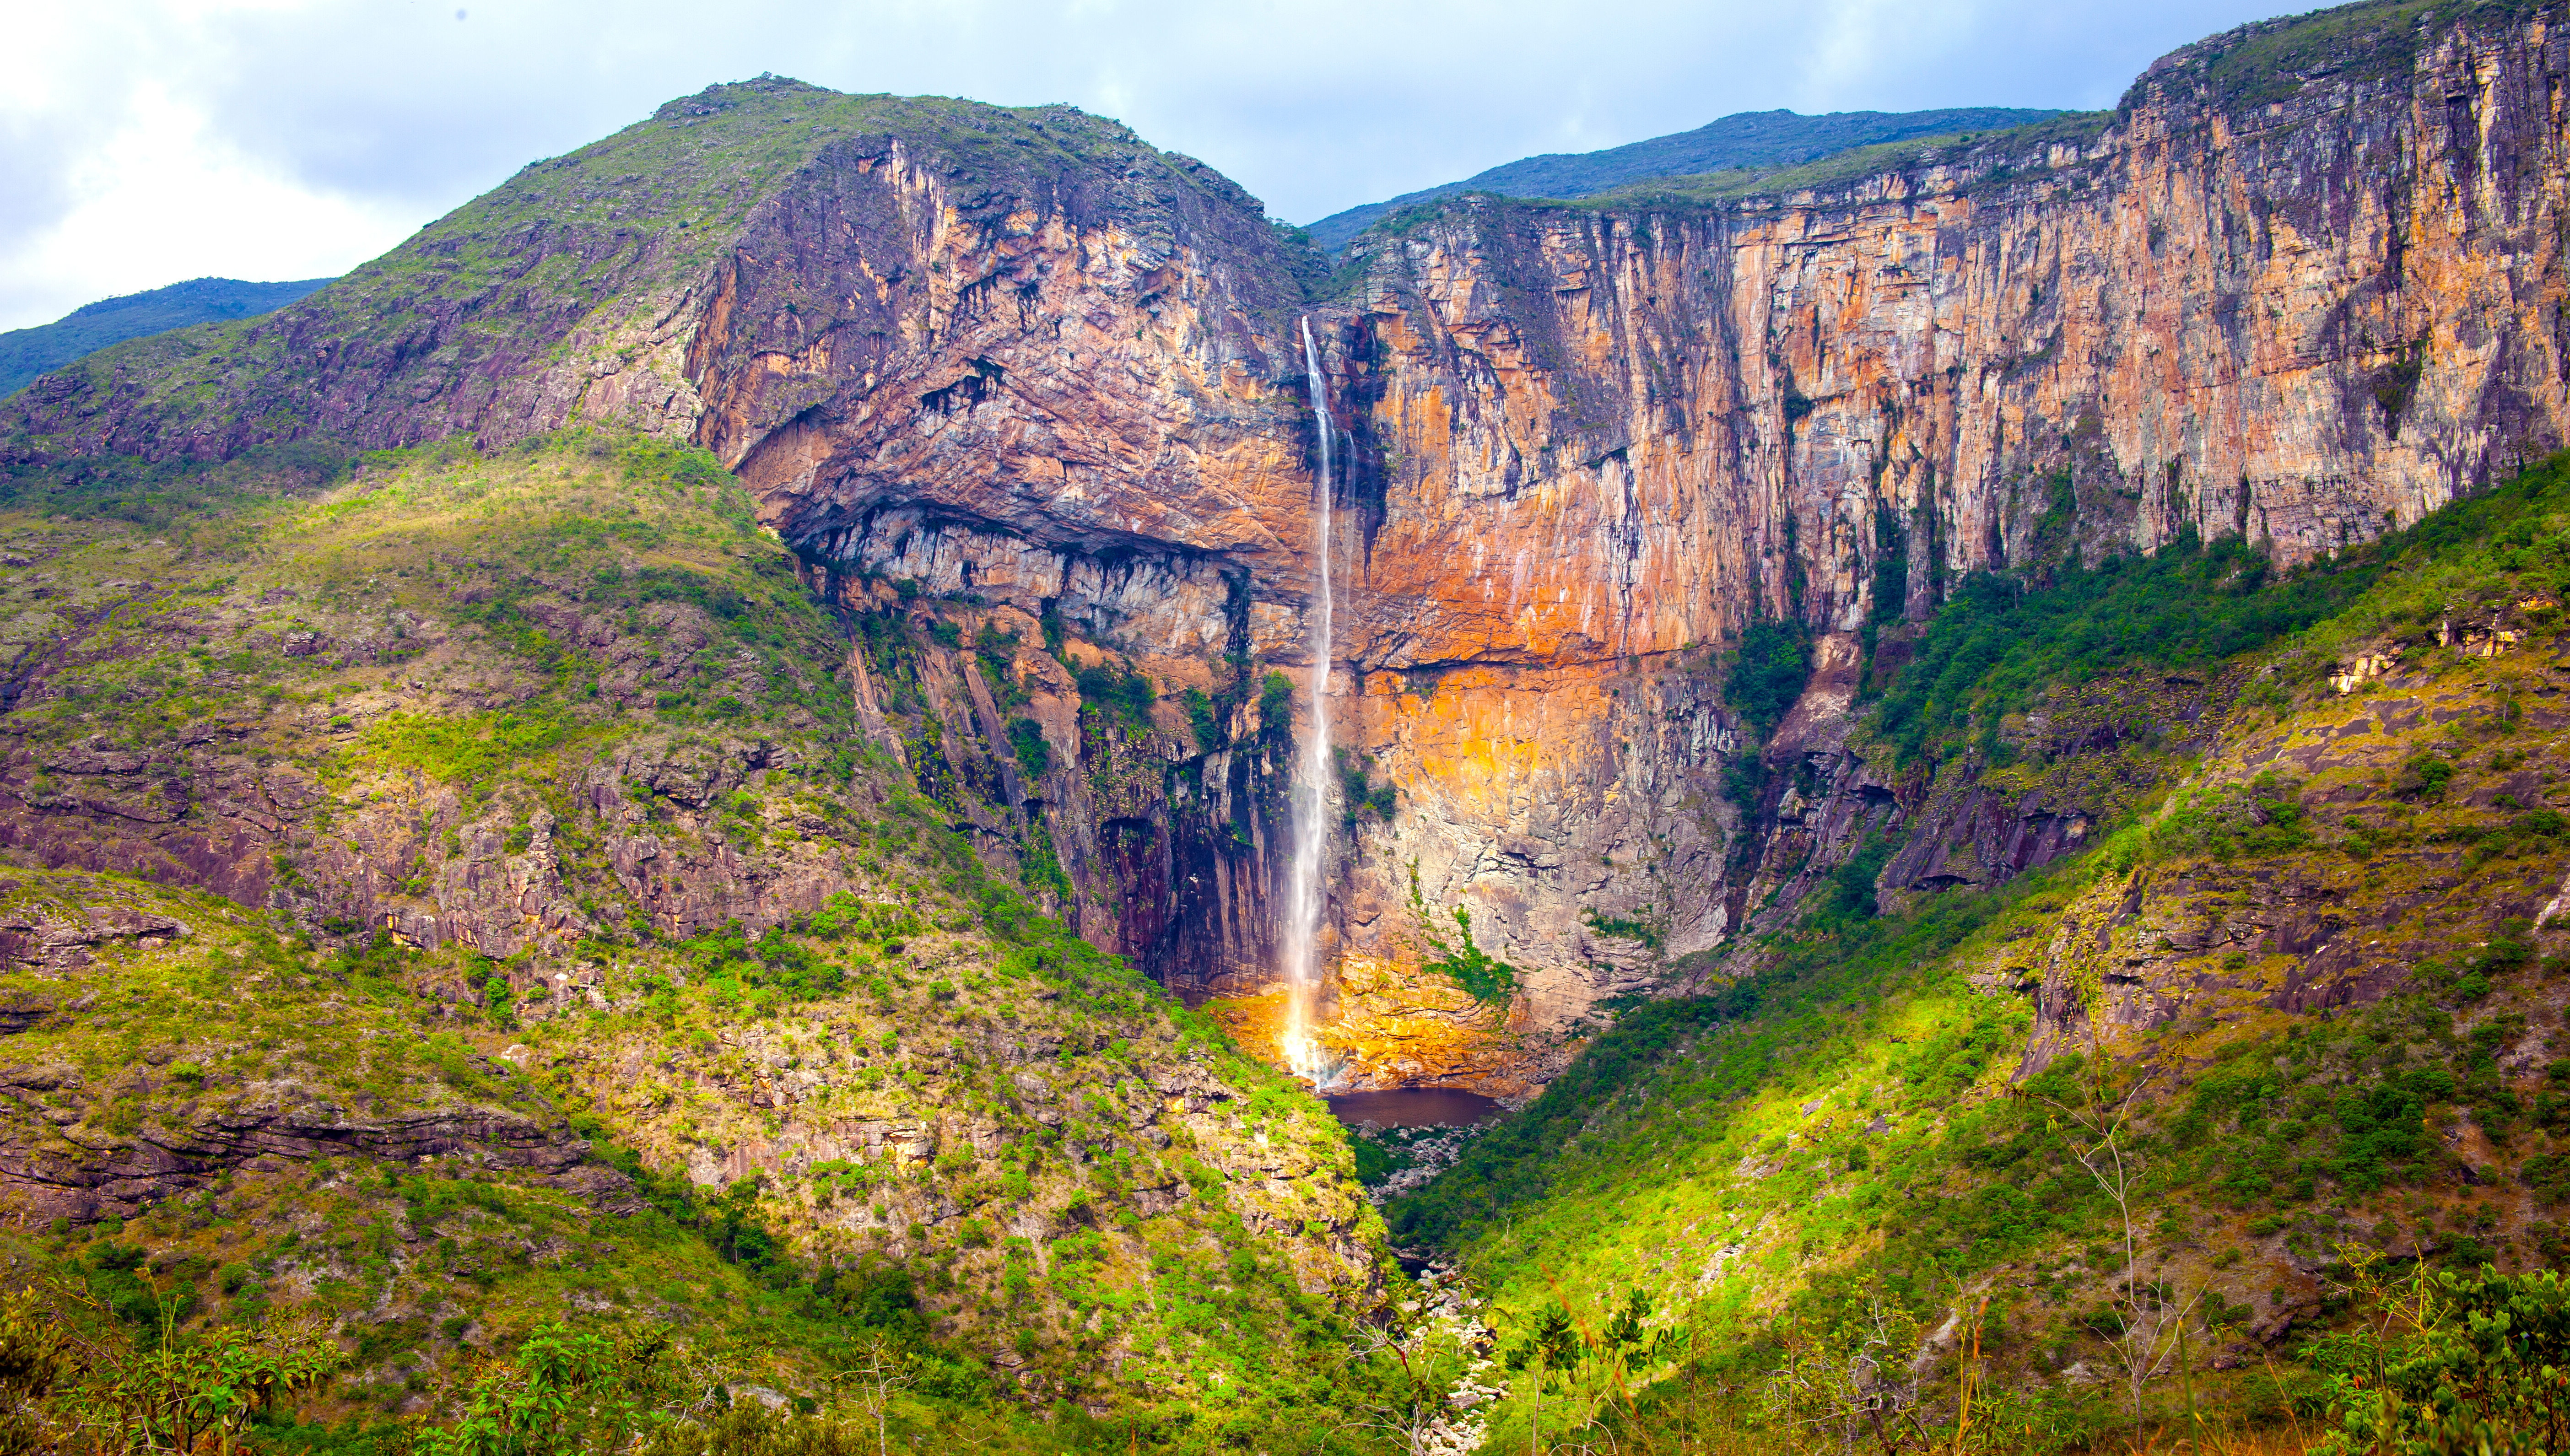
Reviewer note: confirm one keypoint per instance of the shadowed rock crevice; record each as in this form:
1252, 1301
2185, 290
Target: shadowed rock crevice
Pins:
990, 370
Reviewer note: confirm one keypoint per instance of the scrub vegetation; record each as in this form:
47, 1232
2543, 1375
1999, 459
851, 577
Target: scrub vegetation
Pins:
2082, 1159
688, 1067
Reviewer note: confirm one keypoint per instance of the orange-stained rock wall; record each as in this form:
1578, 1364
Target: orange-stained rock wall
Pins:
1036, 392
1595, 441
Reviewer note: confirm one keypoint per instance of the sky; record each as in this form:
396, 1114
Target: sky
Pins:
148, 141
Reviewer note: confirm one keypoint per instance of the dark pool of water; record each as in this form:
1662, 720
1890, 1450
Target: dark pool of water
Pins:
1414, 1107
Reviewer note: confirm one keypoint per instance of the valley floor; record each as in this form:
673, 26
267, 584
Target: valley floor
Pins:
691, 1080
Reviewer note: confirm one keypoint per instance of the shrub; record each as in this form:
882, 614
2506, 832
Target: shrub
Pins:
1122, 695
2458, 1363
1276, 708
1768, 673
1205, 719
1034, 756
1488, 981
473, 747
1361, 794
2423, 776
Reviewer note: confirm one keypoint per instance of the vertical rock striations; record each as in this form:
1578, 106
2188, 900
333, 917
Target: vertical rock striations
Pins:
2305, 285
1025, 395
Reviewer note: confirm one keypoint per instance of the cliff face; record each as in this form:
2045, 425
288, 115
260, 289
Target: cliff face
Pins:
1025, 396
2338, 866
1599, 440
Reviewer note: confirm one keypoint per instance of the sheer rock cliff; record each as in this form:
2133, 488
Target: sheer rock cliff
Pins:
1025, 395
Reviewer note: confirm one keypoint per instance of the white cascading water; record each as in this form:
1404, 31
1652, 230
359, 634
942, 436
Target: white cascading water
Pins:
1311, 798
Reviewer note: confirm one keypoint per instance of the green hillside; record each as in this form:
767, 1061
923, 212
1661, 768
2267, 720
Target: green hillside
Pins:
2104, 1108
585, 253
808, 1091
1749, 141
28, 352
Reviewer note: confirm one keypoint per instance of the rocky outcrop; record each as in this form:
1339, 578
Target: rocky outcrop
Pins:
1014, 375
2347, 897
1604, 438
85, 1172
243, 802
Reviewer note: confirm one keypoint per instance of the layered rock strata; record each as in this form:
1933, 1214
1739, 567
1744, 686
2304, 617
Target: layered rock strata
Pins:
1018, 385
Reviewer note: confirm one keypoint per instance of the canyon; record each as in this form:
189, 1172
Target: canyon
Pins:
1026, 397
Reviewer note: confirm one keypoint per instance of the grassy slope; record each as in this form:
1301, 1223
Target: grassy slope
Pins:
28, 352
1755, 140
616, 244
419, 1265
1163, 1230
592, 246
2369, 41
1855, 1115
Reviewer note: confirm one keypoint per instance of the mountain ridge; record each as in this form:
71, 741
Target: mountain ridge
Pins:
1744, 140
1851, 604
28, 352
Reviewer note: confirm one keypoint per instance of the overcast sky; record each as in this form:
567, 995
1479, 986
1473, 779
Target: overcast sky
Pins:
146, 142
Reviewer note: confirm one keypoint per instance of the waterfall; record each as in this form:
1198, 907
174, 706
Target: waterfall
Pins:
1304, 896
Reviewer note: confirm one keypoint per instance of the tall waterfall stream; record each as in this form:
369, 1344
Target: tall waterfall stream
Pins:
1304, 893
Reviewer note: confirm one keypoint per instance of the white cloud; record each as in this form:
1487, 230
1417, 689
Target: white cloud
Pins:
162, 198
144, 142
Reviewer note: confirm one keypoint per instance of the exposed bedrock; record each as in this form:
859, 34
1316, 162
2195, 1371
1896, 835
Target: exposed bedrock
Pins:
1589, 445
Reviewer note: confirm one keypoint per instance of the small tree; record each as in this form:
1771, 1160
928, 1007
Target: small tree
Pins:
34, 1357
1851, 1376
1867, 1373
1406, 1396
566, 1390
2447, 1361
881, 1373
2150, 1319
191, 1395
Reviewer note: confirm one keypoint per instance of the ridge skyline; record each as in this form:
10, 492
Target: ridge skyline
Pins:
298, 145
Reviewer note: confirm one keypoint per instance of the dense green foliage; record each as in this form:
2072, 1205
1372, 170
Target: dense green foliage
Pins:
1998, 644
2449, 1361
1276, 709
1768, 671
1361, 796
2001, 643
1889, 596
1034, 756
1122, 694
1205, 720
